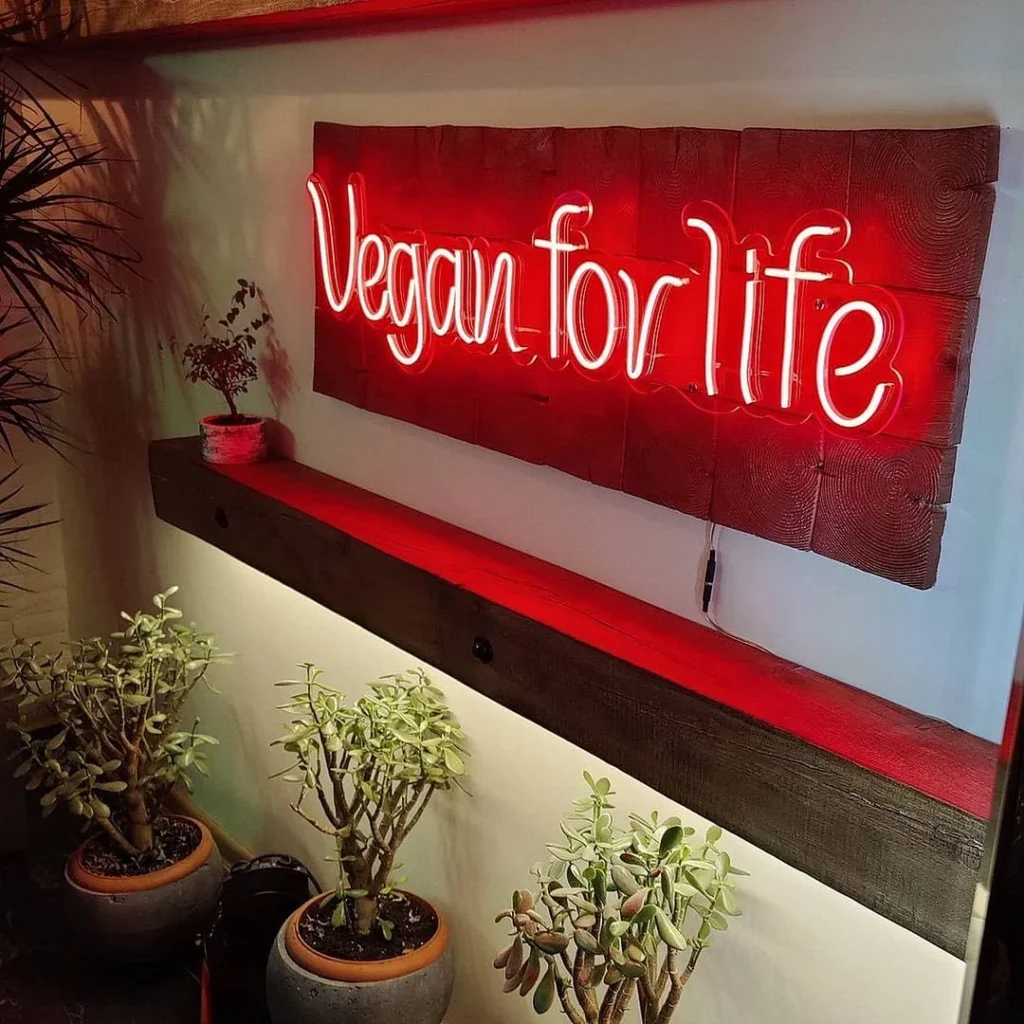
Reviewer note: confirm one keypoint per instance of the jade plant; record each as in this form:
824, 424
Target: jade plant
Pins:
366, 772
118, 701
619, 913
223, 356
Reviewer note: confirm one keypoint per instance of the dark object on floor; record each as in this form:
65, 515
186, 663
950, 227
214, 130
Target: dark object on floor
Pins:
259, 895
43, 977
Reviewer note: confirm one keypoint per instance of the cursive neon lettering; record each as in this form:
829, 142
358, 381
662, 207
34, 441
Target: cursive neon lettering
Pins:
468, 292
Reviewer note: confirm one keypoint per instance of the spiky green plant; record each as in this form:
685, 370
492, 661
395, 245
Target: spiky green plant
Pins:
618, 912
372, 767
118, 701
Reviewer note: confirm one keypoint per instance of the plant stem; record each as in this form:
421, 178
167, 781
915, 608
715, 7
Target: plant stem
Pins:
118, 838
565, 995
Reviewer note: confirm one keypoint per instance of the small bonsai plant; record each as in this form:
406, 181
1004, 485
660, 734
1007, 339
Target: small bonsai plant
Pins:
371, 768
618, 911
224, 358
118, 701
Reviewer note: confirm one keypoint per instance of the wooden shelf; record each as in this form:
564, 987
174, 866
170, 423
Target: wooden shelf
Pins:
199, 21
870, 798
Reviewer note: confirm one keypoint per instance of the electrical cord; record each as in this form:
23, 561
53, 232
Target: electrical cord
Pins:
706, 590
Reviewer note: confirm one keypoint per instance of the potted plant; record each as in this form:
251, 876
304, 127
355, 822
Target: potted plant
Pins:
223, 358
619, 913
143, 883
366, 950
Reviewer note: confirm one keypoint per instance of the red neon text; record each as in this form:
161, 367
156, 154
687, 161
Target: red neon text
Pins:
787, 334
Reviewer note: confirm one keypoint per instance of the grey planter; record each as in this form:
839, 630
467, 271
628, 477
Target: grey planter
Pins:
296, 995
142, 924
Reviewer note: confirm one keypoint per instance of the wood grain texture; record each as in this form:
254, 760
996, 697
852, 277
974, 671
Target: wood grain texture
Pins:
882, 504
767, 477
868, 797
931, 191
920, 203
195, 22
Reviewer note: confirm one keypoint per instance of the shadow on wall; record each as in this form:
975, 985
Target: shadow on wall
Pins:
124, 387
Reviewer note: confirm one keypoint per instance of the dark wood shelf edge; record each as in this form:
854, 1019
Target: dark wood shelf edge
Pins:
901, 852
105, 24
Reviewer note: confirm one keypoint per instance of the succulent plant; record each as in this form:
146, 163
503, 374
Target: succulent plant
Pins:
371, 768
118, 702
618, 912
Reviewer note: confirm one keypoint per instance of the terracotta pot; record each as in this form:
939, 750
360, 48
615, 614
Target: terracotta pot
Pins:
230, 440
306, 987
145, 917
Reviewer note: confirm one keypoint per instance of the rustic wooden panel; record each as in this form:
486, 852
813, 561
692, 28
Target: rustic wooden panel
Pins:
927, 191
680, 166
767, 477
882, 504
193, 22
782, 173
862, 794
920, 202
670, 452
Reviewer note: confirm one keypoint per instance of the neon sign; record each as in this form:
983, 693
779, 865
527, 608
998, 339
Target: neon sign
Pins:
790, 333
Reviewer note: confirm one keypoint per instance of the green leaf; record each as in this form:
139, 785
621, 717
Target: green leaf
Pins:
111, 787
624, 881
586, 941
544, 995
727, 901
672, 838
338, 915
56, 741
669, 933
454, 763
713, 834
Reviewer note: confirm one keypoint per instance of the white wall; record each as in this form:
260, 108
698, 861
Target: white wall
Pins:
245, 119
223, 140
800, 954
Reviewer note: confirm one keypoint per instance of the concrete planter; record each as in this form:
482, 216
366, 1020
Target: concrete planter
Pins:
304, 987
145, 917
227, 441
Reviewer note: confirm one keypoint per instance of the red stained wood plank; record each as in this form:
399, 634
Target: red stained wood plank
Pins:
604, 163
388, 156
679, 166
339, 367
882, 506
515, 408
767, 477
922, 202
670, 451
782, 173
586, 428
448, 406
451, 159
935, 354
925, 754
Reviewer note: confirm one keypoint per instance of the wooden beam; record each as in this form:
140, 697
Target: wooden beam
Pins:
101, 21
875, 801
